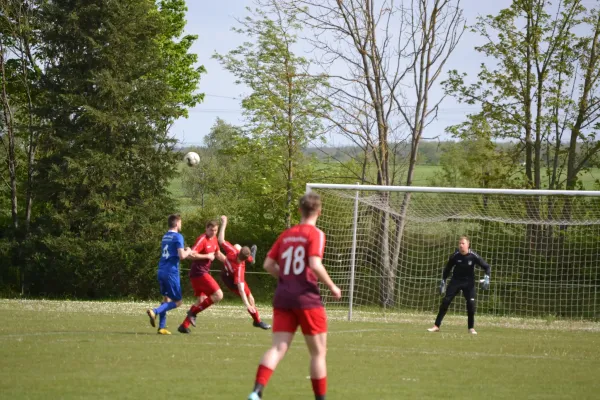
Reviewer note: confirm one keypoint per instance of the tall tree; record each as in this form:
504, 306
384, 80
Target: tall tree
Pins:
282, 110
116, 76
383, 59
20, 75
538, 86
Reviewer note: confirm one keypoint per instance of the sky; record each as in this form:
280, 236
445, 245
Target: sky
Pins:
212, 22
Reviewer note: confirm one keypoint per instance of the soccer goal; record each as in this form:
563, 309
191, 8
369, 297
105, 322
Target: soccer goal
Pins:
387, 246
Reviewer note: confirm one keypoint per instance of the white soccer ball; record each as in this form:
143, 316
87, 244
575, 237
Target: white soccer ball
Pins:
191, 159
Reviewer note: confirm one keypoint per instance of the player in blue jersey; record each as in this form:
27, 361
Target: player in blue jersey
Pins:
172, 251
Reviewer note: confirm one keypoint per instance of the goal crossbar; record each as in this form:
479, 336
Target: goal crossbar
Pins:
427, 189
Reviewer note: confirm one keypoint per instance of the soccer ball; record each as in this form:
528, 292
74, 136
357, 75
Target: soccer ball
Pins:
191, 159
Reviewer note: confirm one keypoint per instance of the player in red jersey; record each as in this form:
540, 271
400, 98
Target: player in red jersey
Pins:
206, 289
296, 261
234, 270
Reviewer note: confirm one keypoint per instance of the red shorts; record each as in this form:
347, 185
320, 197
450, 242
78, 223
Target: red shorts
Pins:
204, 285
312, 320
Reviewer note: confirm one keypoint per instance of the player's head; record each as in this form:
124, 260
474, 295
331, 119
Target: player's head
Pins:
463, 244
212, 227
310, 205
174, 222
244, 253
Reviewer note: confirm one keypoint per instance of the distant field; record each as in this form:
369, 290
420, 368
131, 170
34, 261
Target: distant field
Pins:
423, 177
107, 350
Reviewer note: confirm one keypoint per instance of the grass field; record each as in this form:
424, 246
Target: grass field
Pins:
87, 350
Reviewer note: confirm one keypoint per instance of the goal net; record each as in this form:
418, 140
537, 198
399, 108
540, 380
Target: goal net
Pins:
387, 246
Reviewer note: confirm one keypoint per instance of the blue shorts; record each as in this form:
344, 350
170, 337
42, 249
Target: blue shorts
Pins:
170, 285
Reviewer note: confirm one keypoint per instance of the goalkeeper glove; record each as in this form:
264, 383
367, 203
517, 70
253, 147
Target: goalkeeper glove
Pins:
442, 286
485, 285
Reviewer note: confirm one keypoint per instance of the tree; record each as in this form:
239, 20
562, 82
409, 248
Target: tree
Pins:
20, 76
115, 77
383, 60
282, 110
476, 161
539, 86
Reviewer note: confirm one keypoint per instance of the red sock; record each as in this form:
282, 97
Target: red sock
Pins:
254, 316
205, 304
195, 309
263, 374
319, 386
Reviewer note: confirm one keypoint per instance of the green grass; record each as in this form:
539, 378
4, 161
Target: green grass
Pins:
53, 349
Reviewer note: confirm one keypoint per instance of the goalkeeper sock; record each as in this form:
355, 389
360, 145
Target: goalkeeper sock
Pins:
319, 387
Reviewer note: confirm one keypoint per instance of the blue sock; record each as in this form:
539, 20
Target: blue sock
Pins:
165, 307
162, 320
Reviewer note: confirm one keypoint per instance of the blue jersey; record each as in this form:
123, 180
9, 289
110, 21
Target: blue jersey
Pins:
169, 259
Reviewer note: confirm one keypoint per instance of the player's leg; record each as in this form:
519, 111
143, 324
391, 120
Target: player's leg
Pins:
256, 321
170, 289
203, 284
469, 294
314, 327
451, 292
172, 299
285, 323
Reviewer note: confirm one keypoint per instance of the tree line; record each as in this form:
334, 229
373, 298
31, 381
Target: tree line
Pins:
91, 88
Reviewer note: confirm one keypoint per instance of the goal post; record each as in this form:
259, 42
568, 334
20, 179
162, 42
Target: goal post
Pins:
387, 246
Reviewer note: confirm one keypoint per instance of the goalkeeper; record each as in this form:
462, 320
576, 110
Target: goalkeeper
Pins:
463, 262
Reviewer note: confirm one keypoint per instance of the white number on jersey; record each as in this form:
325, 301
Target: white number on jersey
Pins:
166, 251
294, 258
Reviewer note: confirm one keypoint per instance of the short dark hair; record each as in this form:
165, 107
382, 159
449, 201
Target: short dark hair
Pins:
212, 223
244, 253
310, 204
173, 219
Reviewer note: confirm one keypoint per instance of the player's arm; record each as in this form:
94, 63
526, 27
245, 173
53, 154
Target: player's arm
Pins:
446, 274
221, 235
220, 256
484, 266
197, 248
244, 297
198, 256
271, 267
316, 264
184, 253
448, 268
488, 271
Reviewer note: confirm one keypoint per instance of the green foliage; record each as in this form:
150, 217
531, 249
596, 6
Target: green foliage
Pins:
538, 87
476, 161
117, 75
283, 110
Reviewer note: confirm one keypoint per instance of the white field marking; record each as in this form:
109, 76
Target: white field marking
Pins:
370, 349
334, 314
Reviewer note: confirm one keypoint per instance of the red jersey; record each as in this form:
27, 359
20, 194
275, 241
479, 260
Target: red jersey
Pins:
203, 245
233, 268
297, 285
